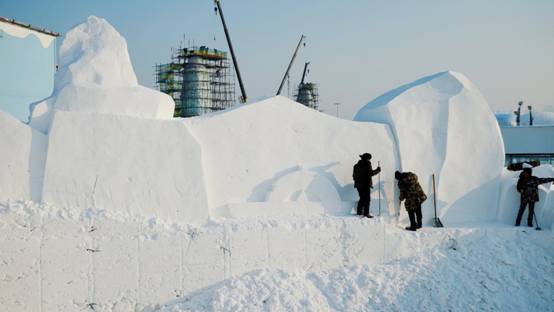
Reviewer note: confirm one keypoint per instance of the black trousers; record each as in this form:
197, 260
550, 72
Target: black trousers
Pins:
363, 203
415, 217
522, 210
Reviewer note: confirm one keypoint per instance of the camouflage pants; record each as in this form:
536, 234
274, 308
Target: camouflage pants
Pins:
414, 213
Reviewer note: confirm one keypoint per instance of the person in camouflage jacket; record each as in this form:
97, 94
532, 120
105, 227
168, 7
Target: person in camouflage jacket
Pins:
527, 186
411, 192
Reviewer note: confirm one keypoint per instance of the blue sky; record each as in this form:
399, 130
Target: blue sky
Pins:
357, 49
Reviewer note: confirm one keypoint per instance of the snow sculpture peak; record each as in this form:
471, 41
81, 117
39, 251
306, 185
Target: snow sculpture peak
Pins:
95, 54
96, 76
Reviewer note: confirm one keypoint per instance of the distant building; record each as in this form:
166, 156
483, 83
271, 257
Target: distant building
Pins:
28, 65
308, 95
199, 79
524, 142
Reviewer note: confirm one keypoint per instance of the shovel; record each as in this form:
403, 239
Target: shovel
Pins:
436, 221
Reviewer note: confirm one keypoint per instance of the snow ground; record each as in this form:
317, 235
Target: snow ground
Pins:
496, 269
471, 269
57, 259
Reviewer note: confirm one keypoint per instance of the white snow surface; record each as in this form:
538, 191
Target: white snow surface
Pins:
56, 259
277, 149
248, 209
96, 76
139, 166
461, 270
95, 54
443, 125
22, 157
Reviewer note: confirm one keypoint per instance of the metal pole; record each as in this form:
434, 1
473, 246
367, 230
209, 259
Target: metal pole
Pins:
235, 63
434, 196
290, 64
379, 186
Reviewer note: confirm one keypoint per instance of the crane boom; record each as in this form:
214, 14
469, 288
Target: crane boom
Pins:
304, 73
290, 64
235, 63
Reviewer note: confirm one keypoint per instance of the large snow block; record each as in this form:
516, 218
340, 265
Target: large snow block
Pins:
96, 76
22, 157
118, 163
137, 101
289, 153
443, 125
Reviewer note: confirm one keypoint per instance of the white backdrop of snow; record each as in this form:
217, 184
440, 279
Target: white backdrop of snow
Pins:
268, 155
143, 166
443, 125
275, 150
22, 156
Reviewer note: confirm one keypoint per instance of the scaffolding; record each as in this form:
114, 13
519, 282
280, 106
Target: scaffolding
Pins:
199, 79
170, 81
307, 94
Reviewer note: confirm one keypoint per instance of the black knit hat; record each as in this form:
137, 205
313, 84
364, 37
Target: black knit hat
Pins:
528, 170
397, 175
365, 156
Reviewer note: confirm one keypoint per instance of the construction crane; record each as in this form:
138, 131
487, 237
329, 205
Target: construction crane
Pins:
235, 63
290, 64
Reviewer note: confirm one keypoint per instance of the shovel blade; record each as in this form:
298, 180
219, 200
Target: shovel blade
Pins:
437, 222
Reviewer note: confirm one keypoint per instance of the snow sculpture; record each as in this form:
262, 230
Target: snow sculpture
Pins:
21, 160
306, 186
96, 76
123, 164
443, 125
247, 150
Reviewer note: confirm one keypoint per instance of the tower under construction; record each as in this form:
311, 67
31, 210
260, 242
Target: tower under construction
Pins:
307, 93
199, 79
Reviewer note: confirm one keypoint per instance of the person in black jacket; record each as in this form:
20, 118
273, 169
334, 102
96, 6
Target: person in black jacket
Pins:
527, 186
363, 183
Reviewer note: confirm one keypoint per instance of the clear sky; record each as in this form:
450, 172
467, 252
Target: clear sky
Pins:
357, 49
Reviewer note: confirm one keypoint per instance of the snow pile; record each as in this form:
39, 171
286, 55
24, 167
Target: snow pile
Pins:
443, 125
510, 198
22, 157
475, 270
539, 119
278, 150
96, 75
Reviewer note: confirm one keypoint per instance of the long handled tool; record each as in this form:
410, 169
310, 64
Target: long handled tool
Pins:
538, 228
379, 188
436, 221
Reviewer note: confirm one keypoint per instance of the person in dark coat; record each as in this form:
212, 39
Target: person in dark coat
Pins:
528, 187
364, 183
411, 192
